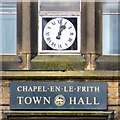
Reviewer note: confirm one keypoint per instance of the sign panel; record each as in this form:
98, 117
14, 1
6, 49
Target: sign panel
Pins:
58, 95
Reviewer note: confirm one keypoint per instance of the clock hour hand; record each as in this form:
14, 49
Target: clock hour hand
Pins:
62, 27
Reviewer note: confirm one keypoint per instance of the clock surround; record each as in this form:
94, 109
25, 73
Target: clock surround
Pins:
59, 38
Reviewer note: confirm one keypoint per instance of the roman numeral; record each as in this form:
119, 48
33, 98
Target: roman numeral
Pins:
60, 21
53, 23
66, 44
71, 33
49, 27
70, 27
70, 39
53, 44
47, 33
59, 46
49, 39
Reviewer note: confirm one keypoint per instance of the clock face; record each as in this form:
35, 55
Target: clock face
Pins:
59, 33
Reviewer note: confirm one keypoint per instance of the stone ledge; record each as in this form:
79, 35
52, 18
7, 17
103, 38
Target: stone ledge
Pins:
58, 113
94, 75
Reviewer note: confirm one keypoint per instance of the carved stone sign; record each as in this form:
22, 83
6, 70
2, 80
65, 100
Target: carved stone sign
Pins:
58, 95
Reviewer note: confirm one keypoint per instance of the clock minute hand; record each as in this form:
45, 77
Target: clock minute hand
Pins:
59, 33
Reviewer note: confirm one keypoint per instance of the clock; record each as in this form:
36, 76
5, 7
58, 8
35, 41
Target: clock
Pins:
59, 33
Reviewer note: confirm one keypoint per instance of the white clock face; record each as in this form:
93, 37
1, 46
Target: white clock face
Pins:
59, 33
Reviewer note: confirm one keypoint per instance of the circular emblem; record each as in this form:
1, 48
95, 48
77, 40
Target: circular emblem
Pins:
59, 100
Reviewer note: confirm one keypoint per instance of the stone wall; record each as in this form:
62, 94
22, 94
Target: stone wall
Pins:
113, 92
